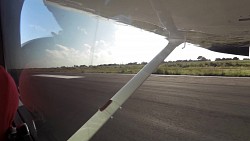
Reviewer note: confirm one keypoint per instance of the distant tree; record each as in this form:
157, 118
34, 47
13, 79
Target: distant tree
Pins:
246, 59
112, 64
226, 59
134, 63
201, 58
82, 66
235, 58
217, 59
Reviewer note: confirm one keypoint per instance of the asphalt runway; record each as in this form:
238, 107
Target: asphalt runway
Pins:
164, 108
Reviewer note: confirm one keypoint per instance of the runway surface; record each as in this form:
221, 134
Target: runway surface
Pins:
164, 108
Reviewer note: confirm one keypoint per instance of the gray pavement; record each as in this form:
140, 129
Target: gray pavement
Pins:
163, 108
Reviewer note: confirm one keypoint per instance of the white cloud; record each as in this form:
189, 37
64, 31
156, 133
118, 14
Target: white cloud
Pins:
82, 30
101, 53
136, 45
66, 56
87, 45
37, 28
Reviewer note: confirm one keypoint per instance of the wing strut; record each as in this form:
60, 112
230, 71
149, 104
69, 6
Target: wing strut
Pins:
104, 113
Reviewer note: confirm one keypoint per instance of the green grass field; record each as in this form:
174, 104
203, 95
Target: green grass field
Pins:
207, 68
238, 68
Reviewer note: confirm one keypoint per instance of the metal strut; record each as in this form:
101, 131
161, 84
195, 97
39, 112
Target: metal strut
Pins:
103, 114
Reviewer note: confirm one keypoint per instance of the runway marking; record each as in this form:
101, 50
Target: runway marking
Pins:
58, 76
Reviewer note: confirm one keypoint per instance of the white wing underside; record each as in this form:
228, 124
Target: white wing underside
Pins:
218, 20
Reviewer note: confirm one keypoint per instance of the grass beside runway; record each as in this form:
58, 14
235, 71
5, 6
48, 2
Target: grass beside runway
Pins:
234, 68
237, 68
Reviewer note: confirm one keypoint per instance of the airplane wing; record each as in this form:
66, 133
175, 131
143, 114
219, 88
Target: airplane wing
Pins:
221, 25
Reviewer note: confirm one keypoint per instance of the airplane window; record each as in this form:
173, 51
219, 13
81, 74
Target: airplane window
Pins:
58, 44
75, 55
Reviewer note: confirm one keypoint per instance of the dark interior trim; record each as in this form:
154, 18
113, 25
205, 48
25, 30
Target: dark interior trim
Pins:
2, 62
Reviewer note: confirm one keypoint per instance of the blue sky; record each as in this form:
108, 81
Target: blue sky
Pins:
86, 39
36, 21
